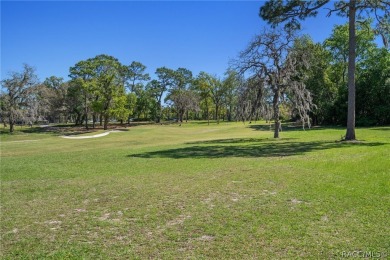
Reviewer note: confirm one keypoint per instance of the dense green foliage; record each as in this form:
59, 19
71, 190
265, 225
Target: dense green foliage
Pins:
328, 79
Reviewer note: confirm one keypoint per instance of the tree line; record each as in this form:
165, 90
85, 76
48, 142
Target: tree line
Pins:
102, 89
281, 75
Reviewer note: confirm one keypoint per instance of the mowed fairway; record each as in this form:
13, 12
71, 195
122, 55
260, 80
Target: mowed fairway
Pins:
225, 191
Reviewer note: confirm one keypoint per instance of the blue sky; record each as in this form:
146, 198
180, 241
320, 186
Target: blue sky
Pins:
201, 36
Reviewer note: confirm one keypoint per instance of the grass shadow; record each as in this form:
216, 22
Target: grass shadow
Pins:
288, 128
29, 130
249, 148
63, 129
385, 128
239, 140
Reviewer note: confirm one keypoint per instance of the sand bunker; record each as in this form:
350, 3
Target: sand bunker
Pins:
89, 136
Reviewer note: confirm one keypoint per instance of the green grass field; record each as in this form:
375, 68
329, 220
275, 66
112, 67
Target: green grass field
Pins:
225, 191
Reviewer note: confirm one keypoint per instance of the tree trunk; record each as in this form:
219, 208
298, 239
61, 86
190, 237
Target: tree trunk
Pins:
208, 113
11, 127
159, 112
216, 113
181, 116
230, 113
93, 120
105, 122
78, 120
351, 73
86, 111
276, 114
86, 121
11, 121
208, 116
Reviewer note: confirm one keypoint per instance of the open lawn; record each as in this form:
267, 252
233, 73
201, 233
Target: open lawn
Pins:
196, 191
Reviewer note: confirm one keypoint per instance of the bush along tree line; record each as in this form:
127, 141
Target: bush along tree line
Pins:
281, 75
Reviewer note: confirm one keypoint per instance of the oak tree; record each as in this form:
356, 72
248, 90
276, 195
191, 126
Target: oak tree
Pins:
277, 65
18, 89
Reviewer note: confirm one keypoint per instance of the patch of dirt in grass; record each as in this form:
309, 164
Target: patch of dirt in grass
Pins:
324, 218
236, 197
296, 201
53, 222
197, 242
209, 200
179, 220
113, 217
121, 238
106, 216
267, 192
13, 231
206, 238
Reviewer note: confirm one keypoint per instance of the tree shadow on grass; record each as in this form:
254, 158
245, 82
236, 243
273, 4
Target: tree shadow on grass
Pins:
58, 130
247, 148
384, 128
31, 130
239, 140
290, 128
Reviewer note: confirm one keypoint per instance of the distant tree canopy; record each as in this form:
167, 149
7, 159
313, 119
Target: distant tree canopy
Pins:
280, 76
